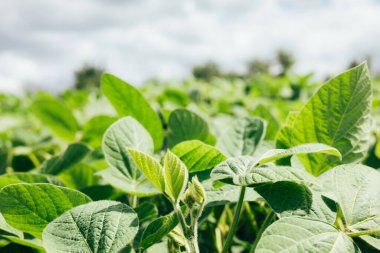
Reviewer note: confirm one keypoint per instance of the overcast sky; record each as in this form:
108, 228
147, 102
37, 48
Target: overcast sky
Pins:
42, 42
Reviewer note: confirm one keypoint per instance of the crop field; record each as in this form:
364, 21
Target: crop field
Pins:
228, 164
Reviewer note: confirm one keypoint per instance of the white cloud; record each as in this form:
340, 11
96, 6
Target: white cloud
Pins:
43, 41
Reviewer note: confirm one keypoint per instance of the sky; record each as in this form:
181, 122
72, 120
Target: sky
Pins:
42, 42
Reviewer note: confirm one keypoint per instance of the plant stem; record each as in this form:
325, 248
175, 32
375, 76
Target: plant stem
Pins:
366, 232
34, 160
134, 201
235, 221
189, 232
268, 220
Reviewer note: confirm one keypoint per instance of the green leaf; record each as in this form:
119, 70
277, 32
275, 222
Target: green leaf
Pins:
272, 123
243, 171
94, 129
146, 211
128, 101
276, 154
356, 188
25, 177
198, 156
150, 167
157, 229
299, 235
30, 207
242, 137
176, 176
141, 187
79, 176
292, 199
57, 116
184, 125
123, 134
73, 154
337, 115
102, 226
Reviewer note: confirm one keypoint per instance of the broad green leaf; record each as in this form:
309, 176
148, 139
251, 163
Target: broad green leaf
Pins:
73, 154
276, 154
292, 199
97, 227
30, 207
157, 229
94, 129
25, 177
272, 123
57, 116
121, 135
150, 167
356, 189
299, 235
337, 115
79, 176
146, 211
141, 187
198, 156
242, 137
176, 176
243, 171
184, 125
128, 101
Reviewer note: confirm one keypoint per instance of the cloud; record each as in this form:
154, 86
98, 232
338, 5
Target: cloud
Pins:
43, 41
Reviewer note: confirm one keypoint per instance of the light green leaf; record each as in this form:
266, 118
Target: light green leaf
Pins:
299, 235
272, 123
96, 227
176, 176
198, 156
242, 137
276, 154
184, 125
243, 171
337, 115
57, 116
157, 229
150, 167
73, 154
141, 187
128, 101
356, 188
123, 134
94, 129
25, 177
30, 207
